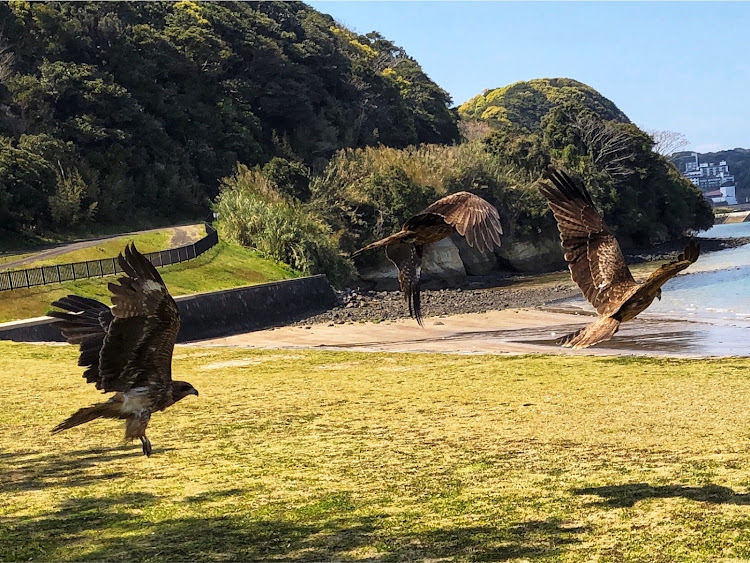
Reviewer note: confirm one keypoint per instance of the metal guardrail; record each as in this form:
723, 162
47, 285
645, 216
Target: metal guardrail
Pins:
43, 275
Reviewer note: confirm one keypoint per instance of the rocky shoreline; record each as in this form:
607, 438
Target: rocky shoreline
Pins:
486, 293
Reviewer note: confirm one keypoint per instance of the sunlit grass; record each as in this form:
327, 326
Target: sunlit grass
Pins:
221, 267
108, 248
146, 242
341, 456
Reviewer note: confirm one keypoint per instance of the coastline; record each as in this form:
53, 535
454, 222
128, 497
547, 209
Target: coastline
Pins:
522, 314
510, 331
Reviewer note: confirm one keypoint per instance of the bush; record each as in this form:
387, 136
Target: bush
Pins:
254, 214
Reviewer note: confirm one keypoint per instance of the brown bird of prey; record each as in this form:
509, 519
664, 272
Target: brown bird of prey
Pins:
126, 349
467, 214
597, 265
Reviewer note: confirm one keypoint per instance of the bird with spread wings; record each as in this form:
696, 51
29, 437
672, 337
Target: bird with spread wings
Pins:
597, 265
126, 349
465, 213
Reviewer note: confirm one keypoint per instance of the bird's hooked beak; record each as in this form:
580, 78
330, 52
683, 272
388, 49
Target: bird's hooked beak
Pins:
193, 391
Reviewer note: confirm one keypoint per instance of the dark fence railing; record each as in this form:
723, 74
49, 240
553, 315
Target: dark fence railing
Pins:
15, 279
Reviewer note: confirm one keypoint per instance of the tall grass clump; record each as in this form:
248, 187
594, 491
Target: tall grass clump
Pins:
254, 213
368, 193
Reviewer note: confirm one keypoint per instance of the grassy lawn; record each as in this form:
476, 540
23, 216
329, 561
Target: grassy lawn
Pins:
146, 242
15, 242
223, 266
324, 456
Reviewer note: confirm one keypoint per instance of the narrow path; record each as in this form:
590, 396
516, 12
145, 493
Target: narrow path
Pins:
182, 233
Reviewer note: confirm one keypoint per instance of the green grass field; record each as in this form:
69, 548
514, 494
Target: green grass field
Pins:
324, 456
221, 267
107, 248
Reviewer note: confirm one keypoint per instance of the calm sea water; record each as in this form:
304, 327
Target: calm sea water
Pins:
716, 287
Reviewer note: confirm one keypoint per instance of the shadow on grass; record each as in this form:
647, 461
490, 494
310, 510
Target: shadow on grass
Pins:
114, 529
30, 470
628, 495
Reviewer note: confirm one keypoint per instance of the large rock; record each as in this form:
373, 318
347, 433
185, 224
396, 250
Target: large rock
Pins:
441, 267
476, 263
526, 256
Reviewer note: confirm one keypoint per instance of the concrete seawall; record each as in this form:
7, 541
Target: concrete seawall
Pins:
217, 314
735, 217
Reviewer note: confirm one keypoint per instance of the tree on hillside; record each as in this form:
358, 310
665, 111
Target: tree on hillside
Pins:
666, 143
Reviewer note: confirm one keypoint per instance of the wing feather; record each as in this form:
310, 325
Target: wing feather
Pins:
85, 323
138, 347
667, 271
471, 216
593, 254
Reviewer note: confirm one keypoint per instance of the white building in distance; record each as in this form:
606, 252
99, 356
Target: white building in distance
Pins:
714, 180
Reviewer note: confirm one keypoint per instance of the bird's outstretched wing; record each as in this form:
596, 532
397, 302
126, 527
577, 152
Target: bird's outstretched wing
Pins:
472, 217
594, 257
664, 273
408, 259
85, 324
138, 347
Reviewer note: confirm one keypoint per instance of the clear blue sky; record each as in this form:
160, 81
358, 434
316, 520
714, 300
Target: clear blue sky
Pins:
678, 66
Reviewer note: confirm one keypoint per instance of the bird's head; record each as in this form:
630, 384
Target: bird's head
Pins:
658, 294
181, 389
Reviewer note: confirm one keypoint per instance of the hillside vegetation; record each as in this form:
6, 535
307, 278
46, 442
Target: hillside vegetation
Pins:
127, 108
316, 140
312, 220
562, 121
331, 456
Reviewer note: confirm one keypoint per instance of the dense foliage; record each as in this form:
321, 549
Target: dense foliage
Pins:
110, 109
525, 104
367, 193
562, 121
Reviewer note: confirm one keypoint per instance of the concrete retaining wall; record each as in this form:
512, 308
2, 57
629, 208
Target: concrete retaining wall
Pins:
735, 217
217, 314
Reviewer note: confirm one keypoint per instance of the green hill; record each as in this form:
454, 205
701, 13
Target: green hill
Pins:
121, 109
564, 122
525, 104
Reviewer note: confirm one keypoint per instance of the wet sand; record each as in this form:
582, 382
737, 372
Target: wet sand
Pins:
511, 331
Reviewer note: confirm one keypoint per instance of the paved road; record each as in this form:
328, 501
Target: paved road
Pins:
184, 234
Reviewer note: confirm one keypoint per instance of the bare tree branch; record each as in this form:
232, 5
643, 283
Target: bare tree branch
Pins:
608, 146
666, 143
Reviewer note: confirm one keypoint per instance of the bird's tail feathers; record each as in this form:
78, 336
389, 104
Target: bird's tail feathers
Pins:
380, 243
110, 409
602, 329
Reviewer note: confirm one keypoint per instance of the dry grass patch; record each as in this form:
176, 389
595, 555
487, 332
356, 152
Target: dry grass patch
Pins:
345, 456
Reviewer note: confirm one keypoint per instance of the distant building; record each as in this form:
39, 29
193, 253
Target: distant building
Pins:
714, 180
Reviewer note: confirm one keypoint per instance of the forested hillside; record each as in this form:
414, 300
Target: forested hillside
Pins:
563, 121
108, 110
316, 140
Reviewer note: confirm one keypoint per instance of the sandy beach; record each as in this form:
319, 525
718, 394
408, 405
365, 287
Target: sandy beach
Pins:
510, 331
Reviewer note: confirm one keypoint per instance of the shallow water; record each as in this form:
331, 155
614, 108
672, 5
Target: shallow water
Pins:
714, 294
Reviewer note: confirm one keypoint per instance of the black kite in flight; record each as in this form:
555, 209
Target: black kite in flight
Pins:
597, 265
465, 213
